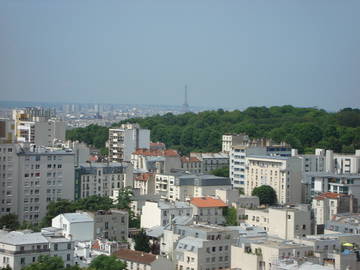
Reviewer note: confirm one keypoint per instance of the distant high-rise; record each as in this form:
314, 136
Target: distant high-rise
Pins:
186, 105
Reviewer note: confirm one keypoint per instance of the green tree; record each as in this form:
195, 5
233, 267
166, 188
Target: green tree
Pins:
124, 198
6, 268
55, 208
222, 172
9, 221
230, 215
266, 194
46, 263
142, 242
94, 203
103, 262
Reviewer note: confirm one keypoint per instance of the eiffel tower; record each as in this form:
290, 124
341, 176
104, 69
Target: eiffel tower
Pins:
186, 105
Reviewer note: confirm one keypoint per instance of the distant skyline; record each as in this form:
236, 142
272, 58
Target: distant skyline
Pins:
230, 54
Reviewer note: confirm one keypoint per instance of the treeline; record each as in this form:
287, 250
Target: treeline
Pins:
303, 128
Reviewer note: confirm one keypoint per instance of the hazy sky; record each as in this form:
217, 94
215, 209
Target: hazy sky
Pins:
230, 53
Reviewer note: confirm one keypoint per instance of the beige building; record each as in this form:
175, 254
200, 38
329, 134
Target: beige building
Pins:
211, 161
287, 222
283, 174
125, 140
145, 183
228, 140
191, 164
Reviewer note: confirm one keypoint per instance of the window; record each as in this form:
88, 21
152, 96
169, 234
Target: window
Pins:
69, 246
68, 257
22, 260
55, 246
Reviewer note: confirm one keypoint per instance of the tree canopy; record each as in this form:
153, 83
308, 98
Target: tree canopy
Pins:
9, 221
303, 128
230, 215
103, 262
142, 242
46, 262
266, 194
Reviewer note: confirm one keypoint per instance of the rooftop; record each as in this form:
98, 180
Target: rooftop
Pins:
135, 256
204, 202
156, 152
143, 176
23, 238
329, 195
77, 217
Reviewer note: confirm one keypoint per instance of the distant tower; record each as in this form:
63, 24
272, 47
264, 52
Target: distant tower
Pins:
186, 105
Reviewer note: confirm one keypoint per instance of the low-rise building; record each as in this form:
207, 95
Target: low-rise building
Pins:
138, 260
191, 164
161, 213
145, 183
284, 222
328, 204
183, 186
21, 248
343, 223
76, 226
211, 161
112, 224
208, 210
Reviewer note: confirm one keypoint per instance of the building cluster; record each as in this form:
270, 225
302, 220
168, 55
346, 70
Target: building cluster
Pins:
193, 219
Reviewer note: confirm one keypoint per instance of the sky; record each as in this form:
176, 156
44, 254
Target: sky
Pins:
231, 54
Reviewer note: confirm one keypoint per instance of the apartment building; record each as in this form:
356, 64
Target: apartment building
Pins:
21, 248
203, 247
161, 213
144, 183
266, 254
183, 186
211, 161
315, 183
102, 178
32, 177
7, 131
38, 126
343, 223
125, 140
138, 260
155, 161
327, 204
283, 174
111, 224
229, 140
191, 164
208, 210
284, 222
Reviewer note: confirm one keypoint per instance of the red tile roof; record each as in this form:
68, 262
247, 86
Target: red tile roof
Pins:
157, 144
135, 256
155, 152
143, 176
329, 195
190, 159
203, 202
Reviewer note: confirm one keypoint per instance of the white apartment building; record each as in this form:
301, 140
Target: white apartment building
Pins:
31, 177
102, 178
211, 161
162, 212
287, 222
182, 187
238, 154
283, 174
229, 140
208, 210
156, 161
125, 140
328, 204
21, 248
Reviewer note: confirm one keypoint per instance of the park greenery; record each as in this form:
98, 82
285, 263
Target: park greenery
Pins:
266, 194
303, 128
101, 262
